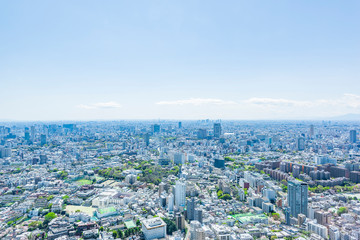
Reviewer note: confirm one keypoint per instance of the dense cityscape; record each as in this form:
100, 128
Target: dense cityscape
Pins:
191, 180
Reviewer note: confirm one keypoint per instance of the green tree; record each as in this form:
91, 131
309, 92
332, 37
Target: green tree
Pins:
170, 226
342, 210
66, 197
50, 216
34, 225
114, 233
225, 197
50, 197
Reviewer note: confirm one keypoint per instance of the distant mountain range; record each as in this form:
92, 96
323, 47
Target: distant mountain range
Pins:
347, 117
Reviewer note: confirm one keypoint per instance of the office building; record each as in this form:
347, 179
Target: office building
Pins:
180, 125
179, 158
147, 139
153, 228
353, 136
170, 202
334, 233
217, 130
319, 229
300, 144
199, 234
155, 128
180, 221
190, 209
311, 131
297, 197
219, 163
287, 216
180, 193
43, 139
33, 133
198, 215
27, 134
202, 133
324, 159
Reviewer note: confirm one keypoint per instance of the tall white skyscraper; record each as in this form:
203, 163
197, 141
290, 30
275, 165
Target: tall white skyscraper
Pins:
180, 193
170, 202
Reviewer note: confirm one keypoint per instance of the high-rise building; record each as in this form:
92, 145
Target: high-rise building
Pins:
43, 159
353, 136
190, 209
155, 128
199, 234
180, 221
287, 215
32, 133
27, 134
297, 197
180, 193
147, 139
193, 226
300, 144
42, 139
217, 130
311, 130
219, 162
198, 215
5, 152
180, 125
179, 158
202, 133
170, 202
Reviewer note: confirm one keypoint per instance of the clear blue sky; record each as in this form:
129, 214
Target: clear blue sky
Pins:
179, 59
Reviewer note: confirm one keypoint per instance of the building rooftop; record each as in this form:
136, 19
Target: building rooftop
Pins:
153, 223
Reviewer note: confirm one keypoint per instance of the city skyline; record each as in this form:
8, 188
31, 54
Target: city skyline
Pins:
179, 60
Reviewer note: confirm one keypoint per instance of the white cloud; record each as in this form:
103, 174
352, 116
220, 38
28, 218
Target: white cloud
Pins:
277, 102
347, 100
347, 103
196, 102
104, 105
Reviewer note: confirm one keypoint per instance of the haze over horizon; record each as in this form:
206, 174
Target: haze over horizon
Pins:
90, 60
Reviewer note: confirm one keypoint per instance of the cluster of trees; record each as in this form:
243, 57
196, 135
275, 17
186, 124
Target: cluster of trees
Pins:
111, 173
150, 173
342, 210
63, 174
50, 216
170, 226
320, 189
50, 197
34, 225
42, 225
223, 196
126, 233
229, 159
154, 174
65, 198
